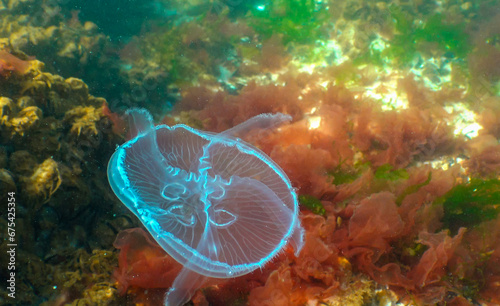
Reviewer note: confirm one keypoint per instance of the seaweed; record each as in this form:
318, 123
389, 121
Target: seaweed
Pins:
451, 38
402, 45
299, 21
412, 38
386, 172
345, 176
468, 205
474, 278
412, 189
312, 203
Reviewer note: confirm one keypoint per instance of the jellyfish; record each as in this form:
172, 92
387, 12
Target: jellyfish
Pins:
216, 204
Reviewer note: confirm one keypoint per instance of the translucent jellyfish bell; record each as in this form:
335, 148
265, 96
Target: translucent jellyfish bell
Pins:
216, 204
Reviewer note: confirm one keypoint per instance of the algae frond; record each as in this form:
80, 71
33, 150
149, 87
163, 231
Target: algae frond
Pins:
313, 204
299, 21
468, 205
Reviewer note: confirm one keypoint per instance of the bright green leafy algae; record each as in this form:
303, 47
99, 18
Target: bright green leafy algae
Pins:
299, 21
343, 177
313, 204
468, 205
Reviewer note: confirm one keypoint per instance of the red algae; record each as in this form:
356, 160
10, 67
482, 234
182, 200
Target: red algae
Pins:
373, 228
312, 275
486, 163
477, 260
118, 122
220, 111
273, 54
490, 117
145, 265
374, 223
311, 180
430, 268
278, 290
411, 134
142, 262
484, 158
389, 230
12, 64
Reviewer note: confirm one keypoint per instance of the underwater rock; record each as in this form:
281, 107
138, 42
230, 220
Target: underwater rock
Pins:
78, 87
7, 184
25, 120
69, 47
83, 120
25, 101
6, 107
3, 157
22, 162
44, 181
47, 218
49, 126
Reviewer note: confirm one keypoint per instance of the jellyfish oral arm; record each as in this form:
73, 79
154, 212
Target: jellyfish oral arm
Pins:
140, 121
188, 281
262, 121
184, 287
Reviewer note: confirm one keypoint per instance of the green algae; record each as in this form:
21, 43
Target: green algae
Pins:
299, 21
313, 204
468, 205
345, 175
382, 174
413, 38
386, 172
451, 38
